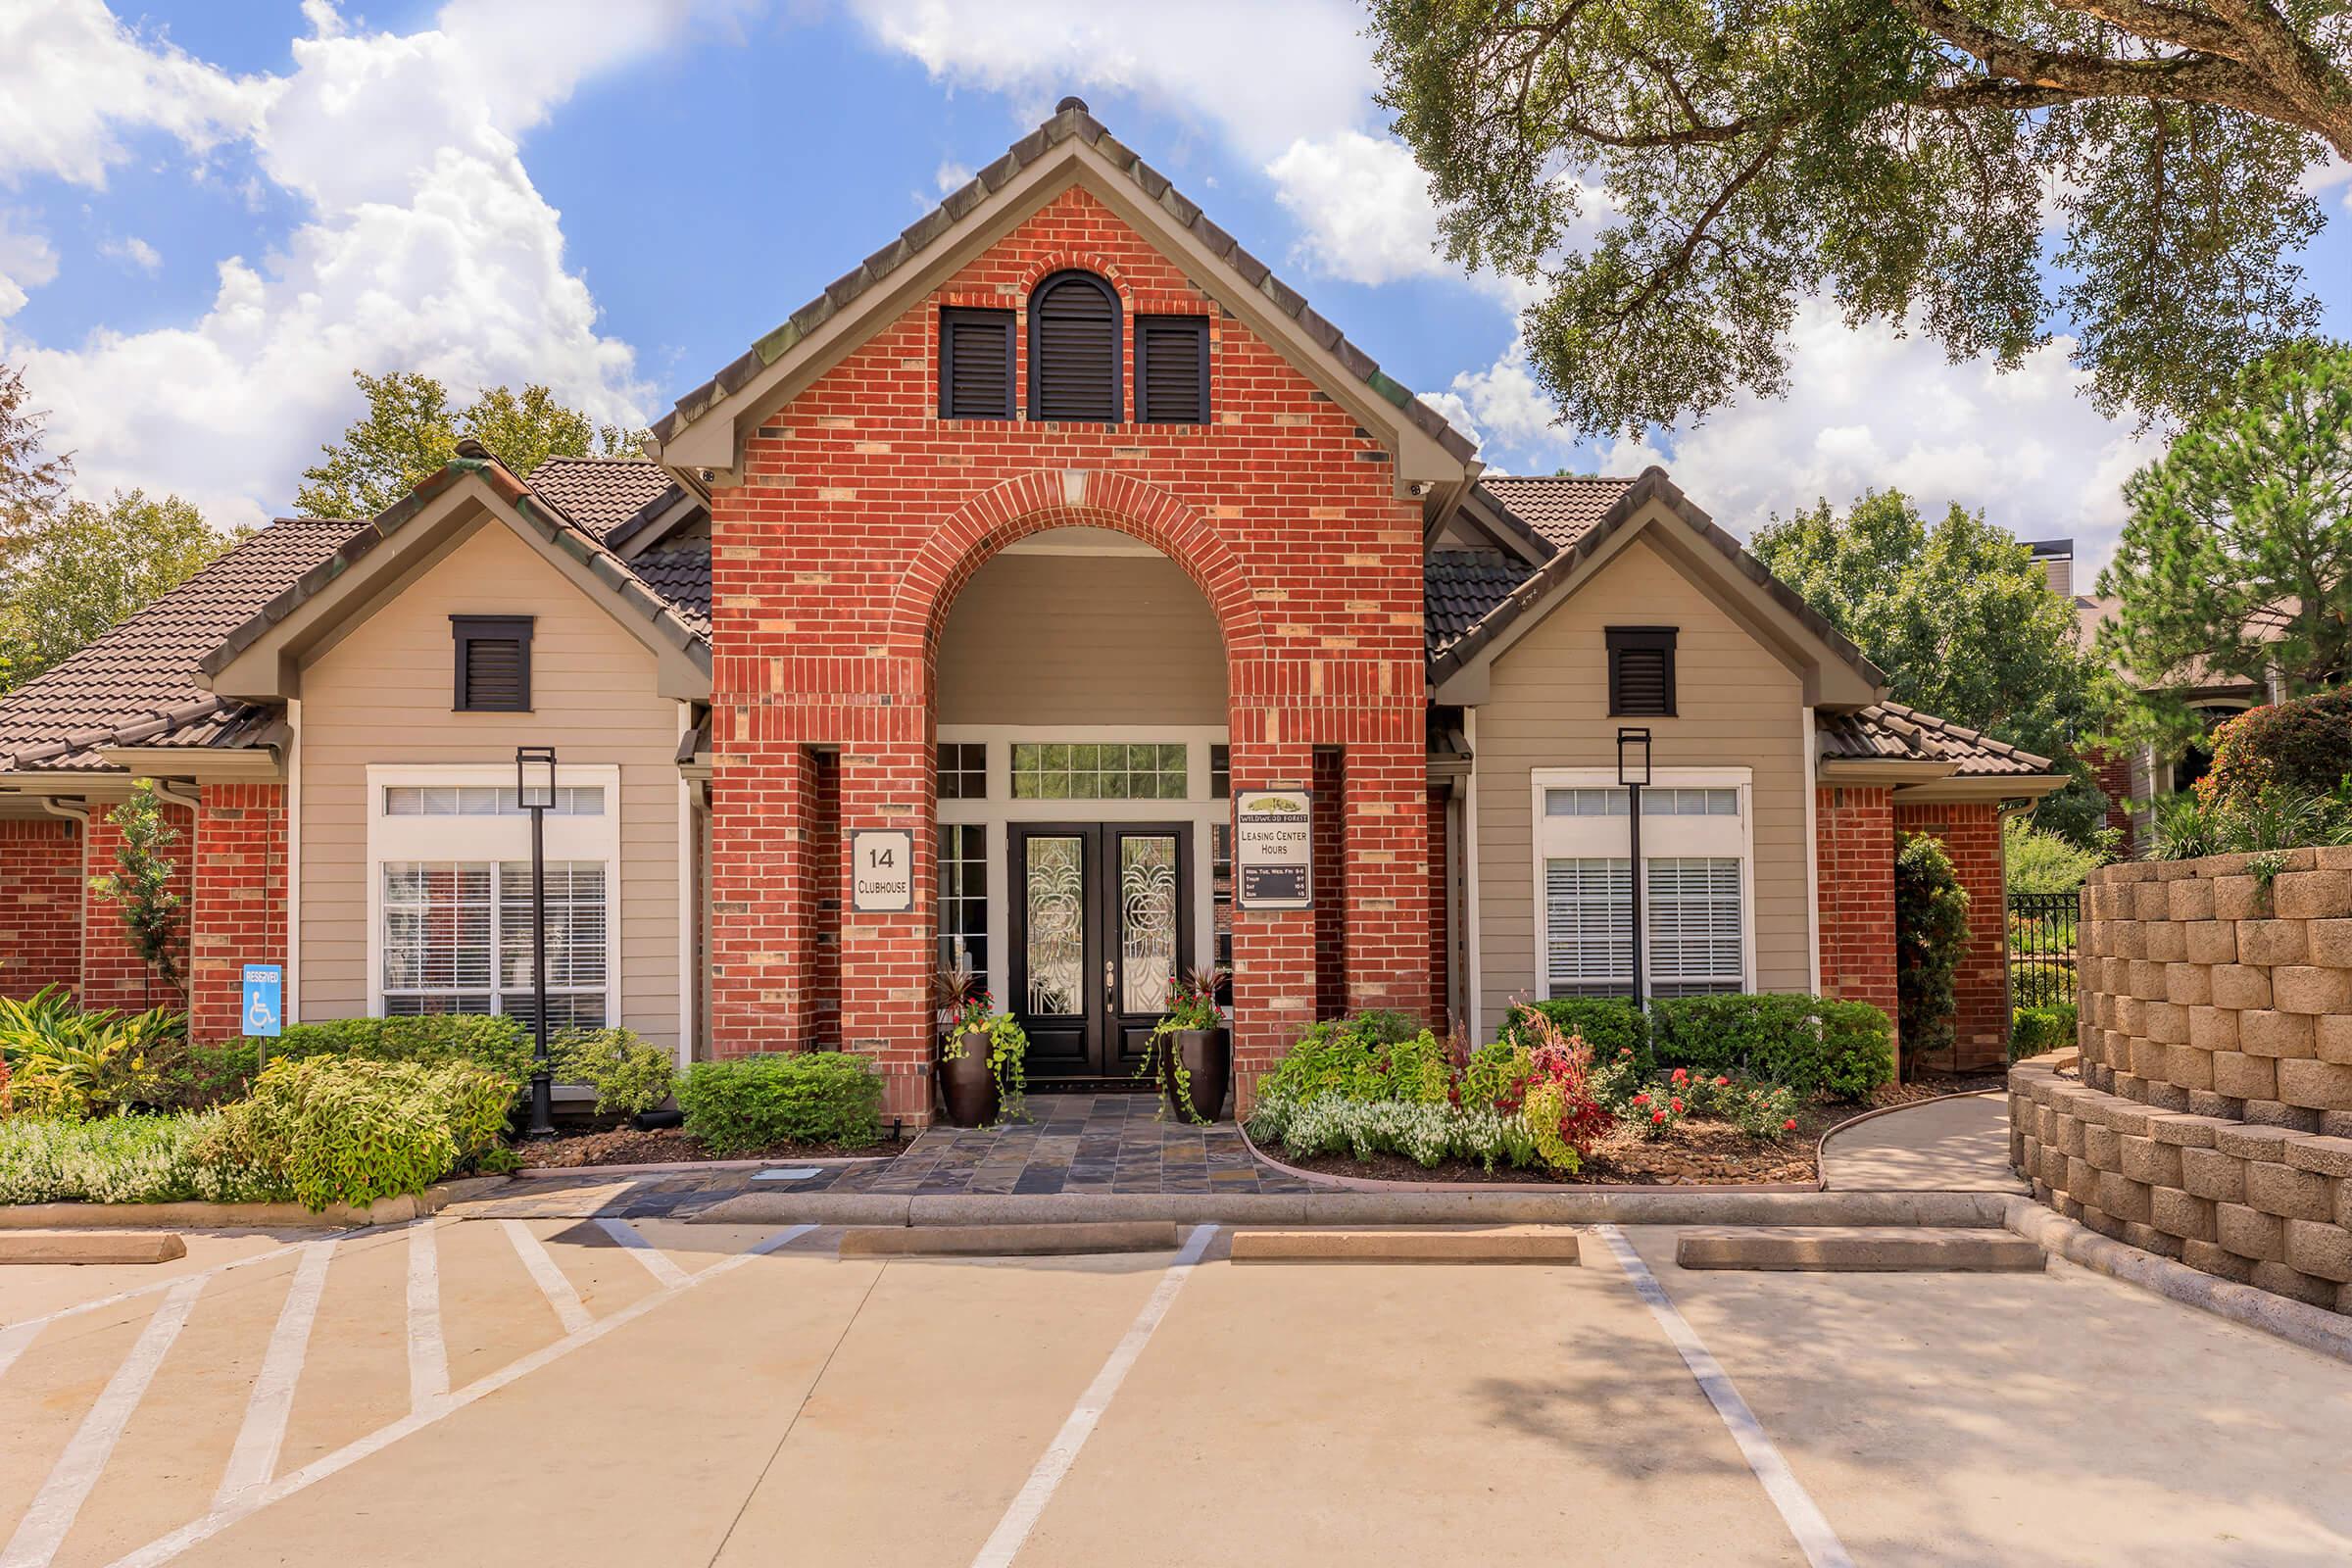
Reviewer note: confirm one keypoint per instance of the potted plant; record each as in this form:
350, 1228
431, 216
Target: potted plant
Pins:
1190, 1051
982, 1053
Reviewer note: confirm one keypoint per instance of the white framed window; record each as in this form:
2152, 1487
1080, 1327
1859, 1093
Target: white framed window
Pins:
449, 894
1698, 861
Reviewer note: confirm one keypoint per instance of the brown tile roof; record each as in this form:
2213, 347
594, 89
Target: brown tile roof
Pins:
602, 494
1562, 507
681, 575
1893, 732
1459, 586
919, 236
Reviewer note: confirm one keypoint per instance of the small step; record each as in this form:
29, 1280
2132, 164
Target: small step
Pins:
1493, 1243
91, 1247
1010, 1241
1860, 1249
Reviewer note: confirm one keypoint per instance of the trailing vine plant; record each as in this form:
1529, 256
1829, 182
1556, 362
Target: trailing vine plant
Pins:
1930, 933
141, 882
1191, 1004
966, 1009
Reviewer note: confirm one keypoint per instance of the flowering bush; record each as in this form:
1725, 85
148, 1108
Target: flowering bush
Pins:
1559, 1105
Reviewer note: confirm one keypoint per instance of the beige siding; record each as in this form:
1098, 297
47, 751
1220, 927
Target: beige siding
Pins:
1738, 706
382, 696
1037, 639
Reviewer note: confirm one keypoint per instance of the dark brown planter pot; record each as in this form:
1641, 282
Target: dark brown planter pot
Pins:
967, 1086
1207, 1057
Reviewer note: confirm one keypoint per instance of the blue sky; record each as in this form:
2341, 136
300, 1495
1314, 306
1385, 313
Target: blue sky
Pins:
209, 214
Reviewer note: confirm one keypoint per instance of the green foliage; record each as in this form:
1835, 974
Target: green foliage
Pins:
2278, 818
2238, 557
140, 884
410, 432
86, 567
2043, 985
1608, 1024
2037, 861
125, 1160
630, 1075
1496, 1077
1422, 1132
747, 1104
69, 1063
201, 1077
1812, 1044
1007, 1057
2035, 1030
31, 480
1192, 1008
342, 1131
2304, 744
1675, 181
1963, 624
1930, 934
496, 1042
1362, 1059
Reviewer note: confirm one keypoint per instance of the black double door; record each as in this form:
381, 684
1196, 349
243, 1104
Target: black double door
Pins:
1101, 925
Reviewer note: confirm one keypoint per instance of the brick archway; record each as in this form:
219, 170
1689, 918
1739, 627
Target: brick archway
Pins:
976, 531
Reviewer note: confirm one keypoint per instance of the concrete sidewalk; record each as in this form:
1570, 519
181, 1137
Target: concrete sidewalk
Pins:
1958, 1144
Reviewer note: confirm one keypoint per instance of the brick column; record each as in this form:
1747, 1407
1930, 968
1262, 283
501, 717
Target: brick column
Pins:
112, 973
758, 939
1855, 857
239, 912
1273, 950
40, 904
1971, 836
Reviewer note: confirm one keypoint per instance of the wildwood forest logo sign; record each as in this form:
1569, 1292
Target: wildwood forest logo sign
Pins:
1273, 850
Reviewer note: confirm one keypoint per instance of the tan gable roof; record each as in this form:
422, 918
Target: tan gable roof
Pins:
1562, 507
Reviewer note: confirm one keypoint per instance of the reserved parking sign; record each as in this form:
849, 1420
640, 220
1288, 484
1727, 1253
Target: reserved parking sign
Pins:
264, 999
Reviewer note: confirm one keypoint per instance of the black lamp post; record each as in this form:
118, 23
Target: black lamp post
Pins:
535, 790
1633, 771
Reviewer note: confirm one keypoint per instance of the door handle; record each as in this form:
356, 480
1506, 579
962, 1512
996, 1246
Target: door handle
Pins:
1110, 984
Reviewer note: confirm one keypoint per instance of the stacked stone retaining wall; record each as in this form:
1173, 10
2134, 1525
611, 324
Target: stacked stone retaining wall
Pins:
2210, 1119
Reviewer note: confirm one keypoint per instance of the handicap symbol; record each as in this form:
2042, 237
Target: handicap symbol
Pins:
260, 1016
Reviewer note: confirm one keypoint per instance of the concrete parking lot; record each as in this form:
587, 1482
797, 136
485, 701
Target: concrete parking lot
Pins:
595, 1392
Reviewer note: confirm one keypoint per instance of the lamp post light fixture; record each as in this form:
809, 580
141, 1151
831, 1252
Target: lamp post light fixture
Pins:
1633, 771
535, 792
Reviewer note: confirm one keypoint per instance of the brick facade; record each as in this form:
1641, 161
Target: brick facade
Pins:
2113, 772
112, 972
40, 904
1971, 836
1855, 880
860, 515
239, 913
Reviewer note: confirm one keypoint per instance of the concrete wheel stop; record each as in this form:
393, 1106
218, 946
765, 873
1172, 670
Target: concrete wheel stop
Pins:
1864, 1250
1502, 1243
91, 1247
1012, 1240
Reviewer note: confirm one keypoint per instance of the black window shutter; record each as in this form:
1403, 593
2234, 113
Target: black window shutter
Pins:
1171, 370
493, 664
1074, 349
1641, 672
975, 365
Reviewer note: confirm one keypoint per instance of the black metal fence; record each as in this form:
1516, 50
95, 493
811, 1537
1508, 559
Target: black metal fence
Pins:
2041, 947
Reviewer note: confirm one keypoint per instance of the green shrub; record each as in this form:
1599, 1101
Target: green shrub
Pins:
497, 1043
202, 1077
64, 1061
2304, 744
753, 1102
125, 1160
1363, 1059
2035, 859
2044, 984
1608, 1024
2189, 827
1812, 1044
629, 1076
1930, 933
342, 1131
1496, 1076
2034, 1029
1420, 1131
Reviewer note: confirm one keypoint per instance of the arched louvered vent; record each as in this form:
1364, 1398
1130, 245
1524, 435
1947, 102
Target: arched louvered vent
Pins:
1074, 349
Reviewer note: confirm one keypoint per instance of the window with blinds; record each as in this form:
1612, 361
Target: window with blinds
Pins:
1641, 672
1074, 349
1171, 370
1588, 927
975, 365
457, 937
1695, 927
493, 664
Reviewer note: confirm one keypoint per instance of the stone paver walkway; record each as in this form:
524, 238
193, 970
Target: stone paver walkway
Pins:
1958, 1144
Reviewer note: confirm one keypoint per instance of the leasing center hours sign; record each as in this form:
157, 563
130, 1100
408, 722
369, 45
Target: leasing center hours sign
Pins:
1273, 850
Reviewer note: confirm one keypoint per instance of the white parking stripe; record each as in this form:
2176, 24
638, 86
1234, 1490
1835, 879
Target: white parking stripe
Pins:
12, 1343
78, 1308
428, 1357
54, 1510
1814, 1537
254, 1459
166, 1548
1005, 1542
552, 1284
645, 1251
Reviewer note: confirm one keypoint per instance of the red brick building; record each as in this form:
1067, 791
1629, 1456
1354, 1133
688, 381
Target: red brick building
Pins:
965, 615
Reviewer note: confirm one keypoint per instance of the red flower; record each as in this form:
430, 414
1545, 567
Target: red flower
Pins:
1681, 1075
1641, 1099
1676, 1103
1722, 1082
1657, 1116
1789, 1125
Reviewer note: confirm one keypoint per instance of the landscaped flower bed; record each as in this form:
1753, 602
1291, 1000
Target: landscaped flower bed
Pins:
1675, 1096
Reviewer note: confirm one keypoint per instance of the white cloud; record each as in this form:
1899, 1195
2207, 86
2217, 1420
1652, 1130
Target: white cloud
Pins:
134, 250
428, 248
1506, 403
25, 264
1364, 206
951, 176
72, 79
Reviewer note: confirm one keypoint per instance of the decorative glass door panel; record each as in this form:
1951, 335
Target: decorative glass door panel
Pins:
1101, 927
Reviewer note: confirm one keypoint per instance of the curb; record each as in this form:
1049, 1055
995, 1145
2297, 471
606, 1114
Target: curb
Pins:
1010, 1241
1539, 1245
2310, 1327
1488, 1206
214, 1216
686, 1167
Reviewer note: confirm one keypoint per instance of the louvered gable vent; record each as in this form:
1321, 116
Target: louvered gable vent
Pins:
493, 664
1074, 349
1171, 370
975, 365
1641, 672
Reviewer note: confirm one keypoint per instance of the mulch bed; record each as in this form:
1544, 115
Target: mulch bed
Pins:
626, 1146
1701, 1153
